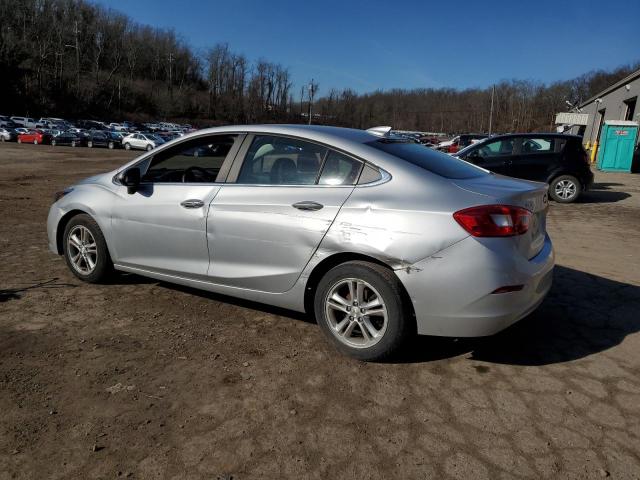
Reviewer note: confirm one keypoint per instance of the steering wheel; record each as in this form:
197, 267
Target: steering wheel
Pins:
197, 174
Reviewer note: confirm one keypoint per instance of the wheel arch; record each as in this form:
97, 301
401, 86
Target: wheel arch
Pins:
62, 224
334, 260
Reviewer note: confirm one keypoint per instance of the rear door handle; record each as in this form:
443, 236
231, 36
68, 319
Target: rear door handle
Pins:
192, 203
308, 205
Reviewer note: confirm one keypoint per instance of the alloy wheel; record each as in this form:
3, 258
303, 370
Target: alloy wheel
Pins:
565, 189
82, 249
356, 313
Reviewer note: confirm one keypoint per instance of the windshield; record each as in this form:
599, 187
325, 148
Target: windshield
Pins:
428, 159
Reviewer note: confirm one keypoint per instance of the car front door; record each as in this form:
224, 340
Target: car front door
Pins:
534, 157
162, 226
281, 197
495, 155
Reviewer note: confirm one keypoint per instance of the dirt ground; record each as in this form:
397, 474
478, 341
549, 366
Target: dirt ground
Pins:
142, 379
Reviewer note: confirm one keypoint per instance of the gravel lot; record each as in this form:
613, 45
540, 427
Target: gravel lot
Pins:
143, 379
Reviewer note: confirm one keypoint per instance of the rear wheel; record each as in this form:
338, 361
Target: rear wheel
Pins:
90, 144
19, 140
53, 143
110, 145
85, 249
73, 143
35, 141
149, 148
127, 146
361, 310
565, 189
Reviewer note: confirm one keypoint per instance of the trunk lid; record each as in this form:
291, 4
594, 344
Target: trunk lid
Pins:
497, 189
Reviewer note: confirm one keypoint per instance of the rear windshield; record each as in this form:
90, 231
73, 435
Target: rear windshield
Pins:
424, 157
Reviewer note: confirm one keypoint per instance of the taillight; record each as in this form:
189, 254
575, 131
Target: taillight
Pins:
494, 220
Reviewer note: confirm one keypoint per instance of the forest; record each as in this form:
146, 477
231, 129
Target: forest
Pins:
75, 59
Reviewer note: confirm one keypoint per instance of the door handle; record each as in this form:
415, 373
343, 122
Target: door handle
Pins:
307, 205
192, 203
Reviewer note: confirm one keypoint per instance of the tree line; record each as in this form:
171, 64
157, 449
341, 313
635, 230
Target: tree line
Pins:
72, 58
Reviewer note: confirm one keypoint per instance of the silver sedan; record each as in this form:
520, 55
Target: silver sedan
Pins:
377, 237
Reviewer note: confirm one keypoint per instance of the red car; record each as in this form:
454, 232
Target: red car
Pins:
35, 137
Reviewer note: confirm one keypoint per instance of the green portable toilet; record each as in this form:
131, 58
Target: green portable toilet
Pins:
617, 141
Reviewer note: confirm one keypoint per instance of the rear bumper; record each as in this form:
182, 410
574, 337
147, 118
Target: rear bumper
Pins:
451, 290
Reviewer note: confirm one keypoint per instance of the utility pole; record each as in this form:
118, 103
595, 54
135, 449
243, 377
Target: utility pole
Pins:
170, 76
312, 91
493, 92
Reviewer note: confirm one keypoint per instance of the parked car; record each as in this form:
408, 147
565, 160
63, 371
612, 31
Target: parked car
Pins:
118, 127
26, 122
35, 137
8, 135
67, 138
460, 142
376, 236
556, 159
104, 138
141, 141
20, 130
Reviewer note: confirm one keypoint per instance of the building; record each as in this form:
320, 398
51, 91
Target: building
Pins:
617, 102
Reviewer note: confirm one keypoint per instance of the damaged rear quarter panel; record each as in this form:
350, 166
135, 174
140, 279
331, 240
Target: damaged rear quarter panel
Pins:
399, 223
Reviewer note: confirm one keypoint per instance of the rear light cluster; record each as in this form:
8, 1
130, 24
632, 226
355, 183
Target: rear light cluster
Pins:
494, 220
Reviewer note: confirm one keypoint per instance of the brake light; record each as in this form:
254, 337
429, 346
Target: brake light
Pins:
494, 220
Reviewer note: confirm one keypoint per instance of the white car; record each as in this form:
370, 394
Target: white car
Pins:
26, 122
118, 127
141, 141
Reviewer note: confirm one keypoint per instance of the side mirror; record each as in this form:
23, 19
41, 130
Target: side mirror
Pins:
130, 178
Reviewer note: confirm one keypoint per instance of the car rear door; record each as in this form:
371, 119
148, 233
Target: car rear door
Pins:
535, 156
281, 197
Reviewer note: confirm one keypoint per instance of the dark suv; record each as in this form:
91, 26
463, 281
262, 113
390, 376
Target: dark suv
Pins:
104, 138
559, 160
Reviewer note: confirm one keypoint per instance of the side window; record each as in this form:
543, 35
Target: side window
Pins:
274, 160
339, 169
497, 148
536, 145
194, 161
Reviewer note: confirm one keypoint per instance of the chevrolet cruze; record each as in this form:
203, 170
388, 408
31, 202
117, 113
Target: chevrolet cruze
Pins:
377, 237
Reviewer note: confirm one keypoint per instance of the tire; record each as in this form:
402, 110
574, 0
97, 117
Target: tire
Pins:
90, 144
565, 189
377, 281
149, 148
35, 141
103, 267
127, 146
73, 143
2, 139
19, 141
110, 145
53, 143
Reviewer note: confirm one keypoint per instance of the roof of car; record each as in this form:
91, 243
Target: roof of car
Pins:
534, 135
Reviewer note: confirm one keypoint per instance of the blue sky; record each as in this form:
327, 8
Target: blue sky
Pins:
408, 44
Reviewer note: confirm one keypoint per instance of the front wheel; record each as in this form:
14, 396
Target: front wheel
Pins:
361, 310
110, 145
53, 143
565, 189
19, 140
90, 144
35, 142
85, 250
149, 148
73, 143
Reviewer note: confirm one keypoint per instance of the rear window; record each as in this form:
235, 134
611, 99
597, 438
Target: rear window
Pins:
428, 159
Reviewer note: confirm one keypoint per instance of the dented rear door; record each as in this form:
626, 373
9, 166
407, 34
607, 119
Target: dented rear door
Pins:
261, 237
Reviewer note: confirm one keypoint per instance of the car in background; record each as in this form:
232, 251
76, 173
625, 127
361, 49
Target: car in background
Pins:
35, 137
8, 135
68, 138
292, 216
460, 142
20, 130
104, 138
556, 159
26, 122
142, 141
117, 127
